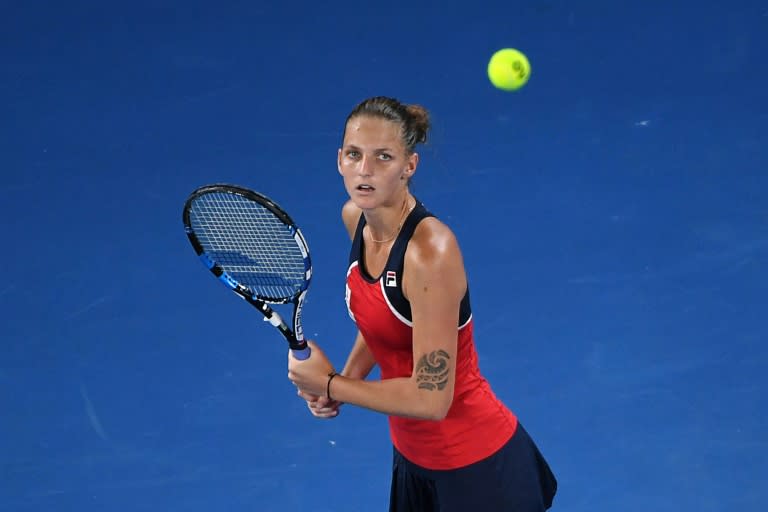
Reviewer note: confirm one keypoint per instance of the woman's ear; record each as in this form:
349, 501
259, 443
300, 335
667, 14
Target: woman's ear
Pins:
410, 168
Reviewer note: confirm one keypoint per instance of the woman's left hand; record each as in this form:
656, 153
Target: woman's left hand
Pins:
311, 374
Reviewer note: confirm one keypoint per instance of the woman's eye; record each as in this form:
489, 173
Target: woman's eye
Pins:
353, 154
385, 156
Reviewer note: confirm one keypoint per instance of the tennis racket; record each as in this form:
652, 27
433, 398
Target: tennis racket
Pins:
254, 248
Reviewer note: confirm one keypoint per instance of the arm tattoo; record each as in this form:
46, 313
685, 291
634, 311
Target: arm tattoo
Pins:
432, 370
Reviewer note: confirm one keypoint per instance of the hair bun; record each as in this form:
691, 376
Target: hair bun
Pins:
419, 121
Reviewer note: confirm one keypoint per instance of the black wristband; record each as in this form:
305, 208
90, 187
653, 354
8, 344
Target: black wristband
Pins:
328, 386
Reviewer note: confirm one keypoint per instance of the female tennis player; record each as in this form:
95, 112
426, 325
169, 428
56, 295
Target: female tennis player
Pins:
457, 447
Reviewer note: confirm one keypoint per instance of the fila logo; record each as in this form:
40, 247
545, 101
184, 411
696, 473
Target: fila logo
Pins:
391, 279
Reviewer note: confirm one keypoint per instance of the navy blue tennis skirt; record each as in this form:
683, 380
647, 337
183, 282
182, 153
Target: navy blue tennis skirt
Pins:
515, 478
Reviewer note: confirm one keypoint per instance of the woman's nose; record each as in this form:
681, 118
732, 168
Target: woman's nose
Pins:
366, 166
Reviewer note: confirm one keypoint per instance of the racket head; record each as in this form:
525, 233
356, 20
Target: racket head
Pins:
249, 242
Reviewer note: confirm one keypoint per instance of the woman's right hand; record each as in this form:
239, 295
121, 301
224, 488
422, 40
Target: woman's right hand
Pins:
321, 406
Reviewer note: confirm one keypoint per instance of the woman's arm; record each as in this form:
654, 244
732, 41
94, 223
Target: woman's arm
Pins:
360, 361
434, 282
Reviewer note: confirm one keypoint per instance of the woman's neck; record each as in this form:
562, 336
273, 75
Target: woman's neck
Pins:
384, 223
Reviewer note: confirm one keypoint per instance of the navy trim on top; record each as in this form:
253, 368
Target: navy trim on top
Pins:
392, 273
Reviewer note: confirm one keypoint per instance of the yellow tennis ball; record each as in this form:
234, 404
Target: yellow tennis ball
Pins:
509, 69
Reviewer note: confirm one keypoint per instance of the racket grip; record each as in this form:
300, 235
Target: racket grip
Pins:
302, 354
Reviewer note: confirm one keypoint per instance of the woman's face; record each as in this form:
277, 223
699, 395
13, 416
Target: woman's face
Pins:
374, 162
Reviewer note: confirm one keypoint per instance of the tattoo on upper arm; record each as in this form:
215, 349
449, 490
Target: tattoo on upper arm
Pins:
432, 370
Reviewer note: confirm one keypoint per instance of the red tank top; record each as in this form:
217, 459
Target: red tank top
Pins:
477, 423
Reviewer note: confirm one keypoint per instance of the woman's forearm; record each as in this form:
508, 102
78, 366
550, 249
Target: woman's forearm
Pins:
360, 361
394, 397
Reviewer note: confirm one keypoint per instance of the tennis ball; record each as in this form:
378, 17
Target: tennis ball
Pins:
509, 69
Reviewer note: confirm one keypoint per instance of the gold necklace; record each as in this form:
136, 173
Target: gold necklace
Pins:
403, 216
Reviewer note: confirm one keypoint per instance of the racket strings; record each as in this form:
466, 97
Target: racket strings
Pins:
250, 244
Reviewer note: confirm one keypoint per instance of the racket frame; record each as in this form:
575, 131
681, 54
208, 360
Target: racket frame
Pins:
295, 336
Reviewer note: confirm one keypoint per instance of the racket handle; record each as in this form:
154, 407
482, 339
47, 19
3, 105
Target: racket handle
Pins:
302, 354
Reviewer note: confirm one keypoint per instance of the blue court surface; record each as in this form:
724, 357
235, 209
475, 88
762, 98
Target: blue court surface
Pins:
613, 216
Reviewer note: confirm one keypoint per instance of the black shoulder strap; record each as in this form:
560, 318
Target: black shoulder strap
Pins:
393, 272
396, 258
354, 252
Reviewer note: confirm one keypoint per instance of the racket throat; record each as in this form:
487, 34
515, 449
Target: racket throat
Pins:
274, 318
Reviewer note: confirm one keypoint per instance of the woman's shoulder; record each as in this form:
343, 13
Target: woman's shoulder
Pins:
432, 240
433, 260
350, 214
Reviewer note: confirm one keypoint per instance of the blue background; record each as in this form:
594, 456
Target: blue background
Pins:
612, 215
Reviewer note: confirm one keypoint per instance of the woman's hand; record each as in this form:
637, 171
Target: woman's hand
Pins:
310, 375
320, 406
